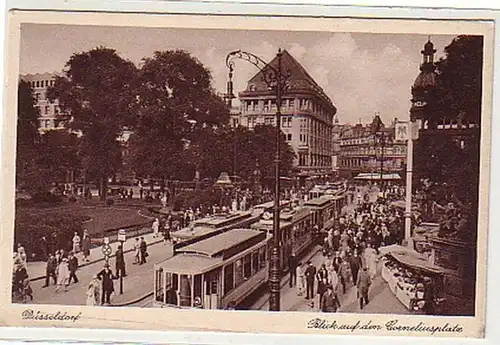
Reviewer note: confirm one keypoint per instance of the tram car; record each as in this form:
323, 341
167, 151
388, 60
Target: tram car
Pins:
213, 273
269, 207
326, 210
209, 226
296, 231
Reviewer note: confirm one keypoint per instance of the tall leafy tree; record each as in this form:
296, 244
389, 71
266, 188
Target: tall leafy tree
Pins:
28, 138
59, 154
99, 91
449, 160
177, 106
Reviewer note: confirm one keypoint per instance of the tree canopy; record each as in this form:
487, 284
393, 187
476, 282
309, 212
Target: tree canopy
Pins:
99, 91
177, 107
27, 139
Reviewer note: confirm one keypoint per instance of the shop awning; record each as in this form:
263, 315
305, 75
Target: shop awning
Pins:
410, 258
376, 176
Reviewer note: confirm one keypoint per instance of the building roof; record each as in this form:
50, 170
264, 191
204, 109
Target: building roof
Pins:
300, 79
216, 245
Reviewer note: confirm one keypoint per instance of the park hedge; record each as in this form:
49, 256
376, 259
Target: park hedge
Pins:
58, 228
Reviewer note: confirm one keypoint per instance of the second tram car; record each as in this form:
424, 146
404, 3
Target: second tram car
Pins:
296, 234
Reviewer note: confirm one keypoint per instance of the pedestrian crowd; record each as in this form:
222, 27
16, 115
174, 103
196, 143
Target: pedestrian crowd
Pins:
350, 255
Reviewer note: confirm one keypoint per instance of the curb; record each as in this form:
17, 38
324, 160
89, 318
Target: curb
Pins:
99, 260
137, 300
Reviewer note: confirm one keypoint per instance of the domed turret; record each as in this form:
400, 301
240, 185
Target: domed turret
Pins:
425, 82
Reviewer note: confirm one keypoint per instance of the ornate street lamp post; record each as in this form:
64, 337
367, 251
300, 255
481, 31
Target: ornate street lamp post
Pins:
379, 135
276, 81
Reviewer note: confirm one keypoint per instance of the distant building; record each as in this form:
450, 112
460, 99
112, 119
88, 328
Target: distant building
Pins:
307, 116
50, 113
360, 152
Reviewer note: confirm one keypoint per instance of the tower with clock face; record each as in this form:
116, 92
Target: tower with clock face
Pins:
423, 88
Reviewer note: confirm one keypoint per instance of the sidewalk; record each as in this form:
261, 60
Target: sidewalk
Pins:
137, 284
37, 269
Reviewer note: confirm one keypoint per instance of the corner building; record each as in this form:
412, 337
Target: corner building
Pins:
50, 113
307, 115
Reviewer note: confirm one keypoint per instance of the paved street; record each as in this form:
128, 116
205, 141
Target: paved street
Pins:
382, 300
139, 280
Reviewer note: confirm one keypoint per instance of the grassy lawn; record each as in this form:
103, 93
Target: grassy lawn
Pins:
104, 217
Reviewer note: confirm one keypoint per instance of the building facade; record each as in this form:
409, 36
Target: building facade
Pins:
362, 151
307, 115
50, 113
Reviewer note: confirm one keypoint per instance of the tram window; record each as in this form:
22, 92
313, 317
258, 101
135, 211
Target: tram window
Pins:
171, 286
255, 262
238, 272
247, 266
228, 278
159, 285
197, 286
262, 255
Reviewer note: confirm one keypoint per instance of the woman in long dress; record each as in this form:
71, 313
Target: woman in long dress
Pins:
63, 275
93, 293
370, 256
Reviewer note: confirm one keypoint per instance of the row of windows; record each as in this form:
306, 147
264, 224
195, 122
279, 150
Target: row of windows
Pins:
41, 83
286, 104
239, 271
314, 160
372, 163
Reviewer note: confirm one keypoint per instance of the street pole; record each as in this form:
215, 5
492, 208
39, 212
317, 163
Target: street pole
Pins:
278, 81
121, 270
275, 268
409, 171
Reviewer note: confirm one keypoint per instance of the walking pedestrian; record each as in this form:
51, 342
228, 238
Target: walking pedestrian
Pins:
86, 244
120, 262
345, 274
363, 285
356, 264
155, 227
292, 267
330, 301
310, 274
137, 251
301, 286
93, 293
63, 275
50, 270
144, 251
22, 254
106, 276
76, 243
72, 266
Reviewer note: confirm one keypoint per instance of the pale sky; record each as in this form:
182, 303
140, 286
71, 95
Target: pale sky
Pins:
362, 73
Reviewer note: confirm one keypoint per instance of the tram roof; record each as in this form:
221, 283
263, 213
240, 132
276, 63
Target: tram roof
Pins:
318, 201
188, 264
220, 219
195, 231
214, 246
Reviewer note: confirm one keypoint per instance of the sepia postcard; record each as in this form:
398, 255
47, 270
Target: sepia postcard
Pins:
260, 174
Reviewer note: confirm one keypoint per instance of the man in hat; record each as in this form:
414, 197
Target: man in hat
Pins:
73, 266
330, 302
310, 275
107, 276
363, 284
